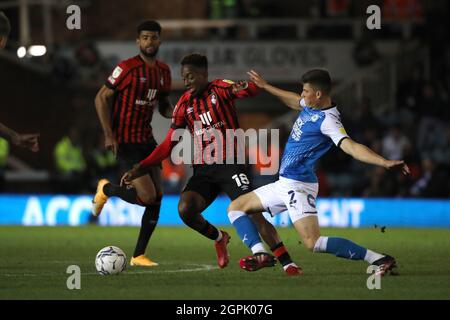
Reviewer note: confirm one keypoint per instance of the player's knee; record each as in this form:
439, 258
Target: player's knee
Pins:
309, 243
186, 210
234, 215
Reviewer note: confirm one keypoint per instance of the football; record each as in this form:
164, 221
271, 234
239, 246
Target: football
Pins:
110, 260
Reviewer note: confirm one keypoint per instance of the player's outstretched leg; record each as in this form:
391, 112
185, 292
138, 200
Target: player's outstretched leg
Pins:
347, 249
105, 189
148, 224
223, 257
100, 198
248, 232
289, 266
271, 237
190, 206
237, 213
308, 228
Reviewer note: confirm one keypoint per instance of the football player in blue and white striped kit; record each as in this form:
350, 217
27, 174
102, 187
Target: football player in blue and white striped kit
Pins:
316, 129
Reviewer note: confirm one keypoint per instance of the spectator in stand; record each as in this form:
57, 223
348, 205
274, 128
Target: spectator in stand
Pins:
402, 9
365, 53
338, 8
70, 163
395, 144
433, 183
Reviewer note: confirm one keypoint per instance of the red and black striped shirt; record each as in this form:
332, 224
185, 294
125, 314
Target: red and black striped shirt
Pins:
213, 109
138, 88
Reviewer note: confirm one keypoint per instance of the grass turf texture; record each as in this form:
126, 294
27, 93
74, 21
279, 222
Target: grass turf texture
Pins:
35, 259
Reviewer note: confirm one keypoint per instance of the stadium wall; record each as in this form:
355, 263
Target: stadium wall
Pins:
54, 210
278, 61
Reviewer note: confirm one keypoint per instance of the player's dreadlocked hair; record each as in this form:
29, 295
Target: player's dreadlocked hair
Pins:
5, 27
319, 79
149, 25
195, 59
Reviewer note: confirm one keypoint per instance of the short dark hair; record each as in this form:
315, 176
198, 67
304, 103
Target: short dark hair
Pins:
5, 26
149, 25
318, 78
195, 59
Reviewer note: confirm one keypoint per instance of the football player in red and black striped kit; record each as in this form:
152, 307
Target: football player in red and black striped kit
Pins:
125, 106
204, 108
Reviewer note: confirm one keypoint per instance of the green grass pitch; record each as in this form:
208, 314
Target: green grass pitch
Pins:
34, 261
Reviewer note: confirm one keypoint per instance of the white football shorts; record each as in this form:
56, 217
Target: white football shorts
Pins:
299, 198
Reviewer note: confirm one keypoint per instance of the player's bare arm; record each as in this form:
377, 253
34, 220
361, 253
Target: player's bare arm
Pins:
28, 141
291, 99
362, 153
165, 108
157, 156
103, 102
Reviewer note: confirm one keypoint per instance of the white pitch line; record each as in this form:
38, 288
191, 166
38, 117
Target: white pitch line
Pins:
200, 267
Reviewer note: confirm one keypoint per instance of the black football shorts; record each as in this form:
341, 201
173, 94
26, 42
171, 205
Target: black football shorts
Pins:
210, 180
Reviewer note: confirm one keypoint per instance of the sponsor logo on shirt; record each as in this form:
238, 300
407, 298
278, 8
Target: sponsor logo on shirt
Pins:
116, 73
142, 102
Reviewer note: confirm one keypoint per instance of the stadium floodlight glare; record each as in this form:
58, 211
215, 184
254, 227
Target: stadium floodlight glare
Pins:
21, 52
37, 51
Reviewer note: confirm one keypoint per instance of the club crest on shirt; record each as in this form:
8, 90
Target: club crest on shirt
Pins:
342, 130
190, 110
213, 99
314, 118
162, 81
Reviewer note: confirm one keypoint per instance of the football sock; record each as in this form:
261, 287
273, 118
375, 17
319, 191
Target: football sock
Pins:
288, 265
340, 247
246, 230
148, 225
371, 256
279, 250
124, 193
209, 231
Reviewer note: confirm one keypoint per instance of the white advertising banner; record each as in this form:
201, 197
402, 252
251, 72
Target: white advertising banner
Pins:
276, 61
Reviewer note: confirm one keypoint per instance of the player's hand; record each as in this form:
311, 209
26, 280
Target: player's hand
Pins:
111, 144
132, 174
29, 141
257, 79
240, 85
397, 164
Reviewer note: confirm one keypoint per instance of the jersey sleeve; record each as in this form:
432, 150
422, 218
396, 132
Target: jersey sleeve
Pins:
161, 152
251, 90
119, 78
225, 89
333, 128
178, 116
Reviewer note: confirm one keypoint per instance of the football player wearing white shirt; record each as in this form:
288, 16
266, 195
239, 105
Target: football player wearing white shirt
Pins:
316, 129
